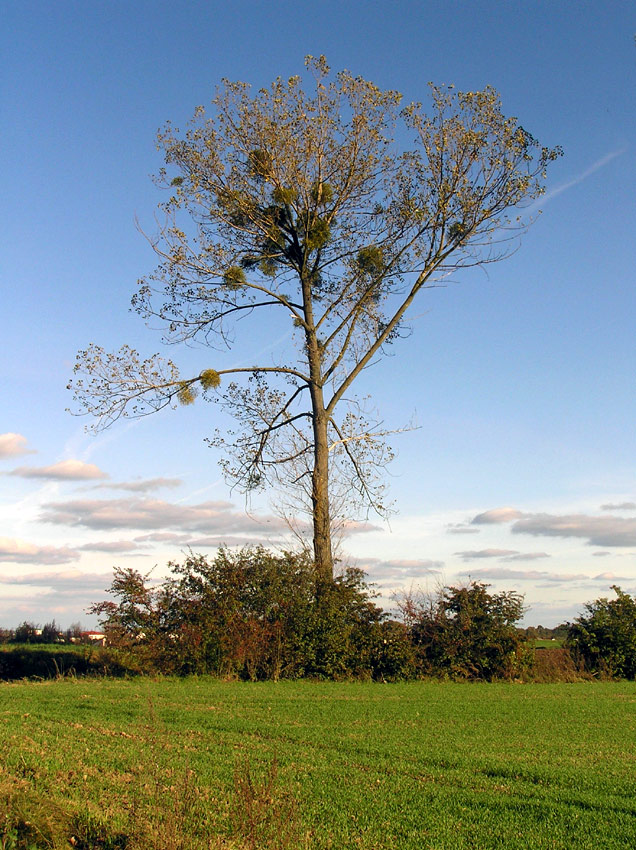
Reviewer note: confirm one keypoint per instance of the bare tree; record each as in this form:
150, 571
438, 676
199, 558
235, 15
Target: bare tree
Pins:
302, 205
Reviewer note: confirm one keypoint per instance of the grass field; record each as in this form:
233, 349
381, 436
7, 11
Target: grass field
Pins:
197, 763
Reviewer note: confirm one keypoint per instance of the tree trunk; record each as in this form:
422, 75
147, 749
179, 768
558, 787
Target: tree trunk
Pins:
323, 555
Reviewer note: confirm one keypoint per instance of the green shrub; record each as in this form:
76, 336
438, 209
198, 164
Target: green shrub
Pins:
467, 633
253, 615
604, 639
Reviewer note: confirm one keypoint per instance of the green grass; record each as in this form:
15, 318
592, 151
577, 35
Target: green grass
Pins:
415, 765
541, 643
54, 648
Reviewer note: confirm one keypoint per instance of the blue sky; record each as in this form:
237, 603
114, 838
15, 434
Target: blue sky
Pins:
521, 472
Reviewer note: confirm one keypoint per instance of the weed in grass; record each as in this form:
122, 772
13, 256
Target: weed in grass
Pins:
262, 814
30, 821
25, 822
165, 804
89, 833
18, 834
170, 819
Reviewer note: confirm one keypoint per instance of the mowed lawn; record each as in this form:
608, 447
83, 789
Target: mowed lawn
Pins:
325, 765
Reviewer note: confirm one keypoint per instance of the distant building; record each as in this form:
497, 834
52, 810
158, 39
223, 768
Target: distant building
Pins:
97, 638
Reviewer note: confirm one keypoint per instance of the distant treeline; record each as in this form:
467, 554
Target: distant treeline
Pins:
256, 615
559, 632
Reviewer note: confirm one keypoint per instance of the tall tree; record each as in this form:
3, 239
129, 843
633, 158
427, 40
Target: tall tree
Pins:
302, 204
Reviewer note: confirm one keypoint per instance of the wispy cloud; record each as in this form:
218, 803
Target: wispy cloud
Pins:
526, 575
460, 528
146, 485
13, 445
111, 546
232, 540
623, 506
215, 518
163, 537
527, 556
65, 579
357, 527
502, 554
399, 568
474, 554
65, 470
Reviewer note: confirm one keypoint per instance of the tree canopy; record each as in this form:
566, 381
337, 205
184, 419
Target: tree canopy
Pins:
302, 203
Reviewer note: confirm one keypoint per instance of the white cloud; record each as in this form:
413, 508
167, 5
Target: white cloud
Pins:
497, 515
21, 552
622, 506
600, 531
611, 577
12, 445
65, 470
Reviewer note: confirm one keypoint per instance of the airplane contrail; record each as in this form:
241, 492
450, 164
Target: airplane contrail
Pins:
576, 180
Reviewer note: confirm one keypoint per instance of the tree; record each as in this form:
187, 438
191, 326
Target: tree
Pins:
26, 633
51, 633
604, 638
74, 633
299, 207
466, 632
